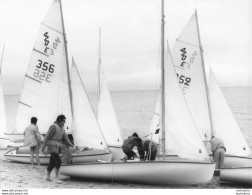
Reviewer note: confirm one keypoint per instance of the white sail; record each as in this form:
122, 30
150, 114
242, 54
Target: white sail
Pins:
106, 115
182, 136
224, 123
45, 92
3, 125
155, 128
86, 130
189, 68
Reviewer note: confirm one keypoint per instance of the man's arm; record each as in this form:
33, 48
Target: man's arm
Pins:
49, 134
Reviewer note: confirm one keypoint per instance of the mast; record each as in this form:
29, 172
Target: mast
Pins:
2, 60
162, 79
204, 73
68, 71
99, 68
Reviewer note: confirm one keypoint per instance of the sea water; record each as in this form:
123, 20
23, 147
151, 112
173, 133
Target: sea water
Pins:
134, 109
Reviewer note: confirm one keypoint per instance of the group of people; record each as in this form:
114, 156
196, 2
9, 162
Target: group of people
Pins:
56, 141
147, 149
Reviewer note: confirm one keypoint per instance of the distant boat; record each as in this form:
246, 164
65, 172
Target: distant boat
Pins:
206, 103
181, 137
48, 91
4, 140
106, 114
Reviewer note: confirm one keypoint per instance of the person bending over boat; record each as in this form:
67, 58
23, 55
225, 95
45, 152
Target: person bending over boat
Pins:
128, 146
54, 139
147, 149
218, 149
32, 138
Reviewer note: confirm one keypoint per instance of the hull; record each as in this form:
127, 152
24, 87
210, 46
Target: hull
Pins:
239, 175
22, 155
237, 161
166, 173
4, 143
117, 152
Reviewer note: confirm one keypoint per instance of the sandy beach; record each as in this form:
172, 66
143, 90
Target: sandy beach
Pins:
23, 176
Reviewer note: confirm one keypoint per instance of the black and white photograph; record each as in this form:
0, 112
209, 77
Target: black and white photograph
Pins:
125, 94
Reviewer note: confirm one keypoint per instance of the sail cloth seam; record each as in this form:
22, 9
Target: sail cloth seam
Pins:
188, 43
24, 104
52, 28
40, 52
32, 78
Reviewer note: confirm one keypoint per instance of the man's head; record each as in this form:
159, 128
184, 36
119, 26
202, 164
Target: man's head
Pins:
135, 135
34, 120
61, 119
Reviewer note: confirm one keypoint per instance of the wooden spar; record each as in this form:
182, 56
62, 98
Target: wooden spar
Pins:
205, 79
68, 70
162, 79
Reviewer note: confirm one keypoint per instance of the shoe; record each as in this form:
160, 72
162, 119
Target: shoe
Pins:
58, 181
48, 179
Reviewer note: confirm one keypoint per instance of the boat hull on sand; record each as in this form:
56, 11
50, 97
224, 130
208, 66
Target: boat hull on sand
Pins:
239, 175
237, 161
22, 155
169, 172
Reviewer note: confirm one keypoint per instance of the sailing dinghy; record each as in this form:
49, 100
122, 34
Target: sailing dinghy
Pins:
106, 114
181, 137
48, 92
206, 102
4, 141
239, 175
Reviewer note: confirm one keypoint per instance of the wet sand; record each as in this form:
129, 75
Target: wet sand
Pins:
23, 176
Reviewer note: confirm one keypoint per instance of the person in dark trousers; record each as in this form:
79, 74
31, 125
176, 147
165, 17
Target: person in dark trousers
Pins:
218, 149
32, 138
54, 139
147, 149
128, 146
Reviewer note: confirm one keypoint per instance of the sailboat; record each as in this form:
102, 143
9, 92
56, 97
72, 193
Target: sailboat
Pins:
181, 137
206, 102
106, 114
48, 92
4, 141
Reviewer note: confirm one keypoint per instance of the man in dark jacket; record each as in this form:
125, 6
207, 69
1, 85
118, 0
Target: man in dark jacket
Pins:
147, 149
128, 146
54, 138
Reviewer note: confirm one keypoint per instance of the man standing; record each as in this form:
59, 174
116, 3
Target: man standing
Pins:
33, 140
218, 150
53, 140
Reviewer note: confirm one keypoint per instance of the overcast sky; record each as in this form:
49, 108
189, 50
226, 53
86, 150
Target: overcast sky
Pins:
130, 38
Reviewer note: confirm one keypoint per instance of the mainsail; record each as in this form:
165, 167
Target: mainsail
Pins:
3, 125
190, 73
45, 92
86, 130
106, 115
224, 123
182, 136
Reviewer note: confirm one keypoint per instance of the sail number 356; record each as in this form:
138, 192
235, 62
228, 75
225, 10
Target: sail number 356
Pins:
42, 69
